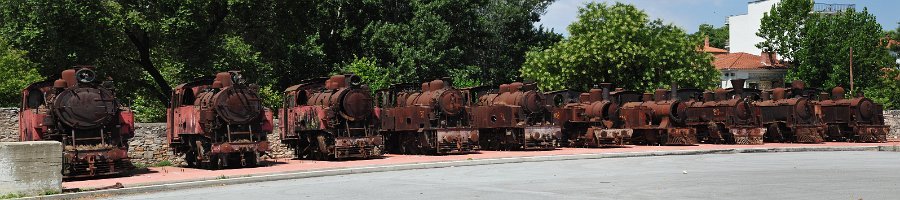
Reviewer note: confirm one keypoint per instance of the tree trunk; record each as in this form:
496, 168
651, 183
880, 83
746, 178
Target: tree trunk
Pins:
141, 42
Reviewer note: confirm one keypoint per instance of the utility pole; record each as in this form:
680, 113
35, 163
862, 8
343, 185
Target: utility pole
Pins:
852, 89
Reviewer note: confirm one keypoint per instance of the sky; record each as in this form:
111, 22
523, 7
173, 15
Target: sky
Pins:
689, 14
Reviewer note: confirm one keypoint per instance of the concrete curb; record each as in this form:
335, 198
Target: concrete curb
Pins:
190, 184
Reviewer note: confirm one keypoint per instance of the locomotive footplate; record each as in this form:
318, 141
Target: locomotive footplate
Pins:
809, 134
541, 138
529, 138
235, 147
871, 133
668, 136
86, 163
602, 137
358, 147
455, 141
748, 136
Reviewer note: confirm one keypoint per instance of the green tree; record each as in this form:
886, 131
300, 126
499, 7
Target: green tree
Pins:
619, 44
16, 74
818, 47
718, 37
782, 27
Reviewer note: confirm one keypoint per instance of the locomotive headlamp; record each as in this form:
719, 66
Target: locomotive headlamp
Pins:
237, 78
85, 75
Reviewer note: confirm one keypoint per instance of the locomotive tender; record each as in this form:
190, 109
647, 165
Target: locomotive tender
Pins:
432, 120
218, 122
85, 116
330, 118
516, 117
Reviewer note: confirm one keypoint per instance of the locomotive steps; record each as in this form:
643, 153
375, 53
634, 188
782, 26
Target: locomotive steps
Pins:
575, 154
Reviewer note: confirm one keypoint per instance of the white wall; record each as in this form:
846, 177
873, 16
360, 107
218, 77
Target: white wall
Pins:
743, 28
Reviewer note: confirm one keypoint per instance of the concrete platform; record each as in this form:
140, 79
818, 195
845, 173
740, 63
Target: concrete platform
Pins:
30, 168
173, 178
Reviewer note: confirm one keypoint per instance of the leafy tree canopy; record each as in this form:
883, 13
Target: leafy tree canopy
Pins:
619, 44
818, 48
718, 37
150, 46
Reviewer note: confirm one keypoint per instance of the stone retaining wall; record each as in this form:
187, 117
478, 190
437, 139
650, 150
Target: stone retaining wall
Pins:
9, 124
892, 118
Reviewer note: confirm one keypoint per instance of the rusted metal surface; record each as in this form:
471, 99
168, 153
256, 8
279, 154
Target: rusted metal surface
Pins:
431, 119
858, 119
85, 116
218, 122
658, 121
724, 116
331, 118
593, 121
790, 119
515, 117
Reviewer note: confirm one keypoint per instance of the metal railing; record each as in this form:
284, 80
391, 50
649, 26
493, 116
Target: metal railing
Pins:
827, 8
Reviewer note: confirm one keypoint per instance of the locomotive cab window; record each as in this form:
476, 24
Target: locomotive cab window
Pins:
301, 98
35, 98
187, 98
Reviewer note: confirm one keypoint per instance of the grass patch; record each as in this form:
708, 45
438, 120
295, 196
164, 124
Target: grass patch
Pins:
164, 163
51, 192
221, 177
12, 196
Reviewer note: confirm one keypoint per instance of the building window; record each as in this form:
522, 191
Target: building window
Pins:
754, 85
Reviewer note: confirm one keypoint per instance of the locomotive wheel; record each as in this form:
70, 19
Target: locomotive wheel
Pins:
190, 157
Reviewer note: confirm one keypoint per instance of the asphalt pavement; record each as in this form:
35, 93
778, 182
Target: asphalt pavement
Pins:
802, 175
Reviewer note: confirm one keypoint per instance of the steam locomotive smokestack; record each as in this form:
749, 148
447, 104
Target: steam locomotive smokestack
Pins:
606, 87
659, 95
738, 86
764, 96
674, 94
797, 87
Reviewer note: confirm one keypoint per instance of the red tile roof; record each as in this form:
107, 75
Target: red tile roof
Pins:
744, 61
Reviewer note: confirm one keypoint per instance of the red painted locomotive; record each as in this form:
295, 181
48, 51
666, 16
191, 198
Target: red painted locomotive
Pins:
857, 119
516, 117
330, 118
85, 116
655, 121
725, 117
432, 120
218, 122
592, 121
789, 119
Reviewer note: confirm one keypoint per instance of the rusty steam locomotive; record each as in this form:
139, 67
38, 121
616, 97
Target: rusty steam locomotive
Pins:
430, 120
516, 117
85, 116
331, 118
593, 120
218, 122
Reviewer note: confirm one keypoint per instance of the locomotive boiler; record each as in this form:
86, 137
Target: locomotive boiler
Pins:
592, 121
789, 119
218, 122
85, 116
331, 118
657, 120
430, 120
726, 117
858, 119
516, 117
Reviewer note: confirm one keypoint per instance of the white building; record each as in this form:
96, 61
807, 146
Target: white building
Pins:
743, 28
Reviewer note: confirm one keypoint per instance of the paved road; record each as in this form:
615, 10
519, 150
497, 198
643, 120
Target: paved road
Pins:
809, 175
